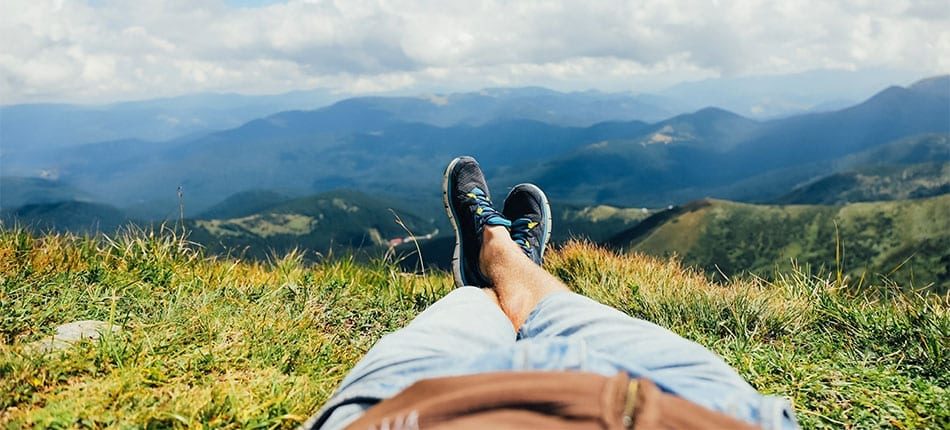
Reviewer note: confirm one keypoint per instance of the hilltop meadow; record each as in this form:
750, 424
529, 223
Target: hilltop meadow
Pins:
211, 210
215, 342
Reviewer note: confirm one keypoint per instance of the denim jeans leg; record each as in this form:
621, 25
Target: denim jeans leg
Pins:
642, 348
463, 324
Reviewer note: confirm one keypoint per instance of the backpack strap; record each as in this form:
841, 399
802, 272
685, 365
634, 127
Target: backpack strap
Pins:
551, 400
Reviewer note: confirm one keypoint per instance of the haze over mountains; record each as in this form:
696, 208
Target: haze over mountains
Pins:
766, 97
329, 177
39, 127
32, 130
380, 145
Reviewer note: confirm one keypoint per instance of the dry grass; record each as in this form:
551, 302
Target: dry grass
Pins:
212, 342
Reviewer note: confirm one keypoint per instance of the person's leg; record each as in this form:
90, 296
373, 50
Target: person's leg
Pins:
465, 323
673, 362
469, 319
641, 348
542, 307
519, 282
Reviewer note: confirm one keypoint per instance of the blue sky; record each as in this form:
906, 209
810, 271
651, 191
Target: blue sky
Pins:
103, 50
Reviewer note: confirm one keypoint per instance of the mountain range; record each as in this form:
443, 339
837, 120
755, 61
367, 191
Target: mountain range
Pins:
338, 177
35, 127
38, 127
775, 96
368, 144
714, 152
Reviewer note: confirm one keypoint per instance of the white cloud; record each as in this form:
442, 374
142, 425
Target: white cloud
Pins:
115, 49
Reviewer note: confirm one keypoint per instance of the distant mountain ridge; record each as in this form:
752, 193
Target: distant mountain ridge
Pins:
367, 144
39, 126
66, 216
652, 171
577, 109
18, 191
30, 129
936, 85
875, 184
777, 96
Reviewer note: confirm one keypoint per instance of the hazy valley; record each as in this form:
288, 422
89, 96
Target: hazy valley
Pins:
336, 179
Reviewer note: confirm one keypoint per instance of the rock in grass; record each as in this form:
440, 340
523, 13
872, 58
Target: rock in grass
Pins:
70, 333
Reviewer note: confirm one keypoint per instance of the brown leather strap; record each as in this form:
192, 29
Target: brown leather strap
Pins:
551, 400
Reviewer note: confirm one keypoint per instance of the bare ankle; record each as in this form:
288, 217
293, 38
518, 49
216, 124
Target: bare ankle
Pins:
493, 238
495, 232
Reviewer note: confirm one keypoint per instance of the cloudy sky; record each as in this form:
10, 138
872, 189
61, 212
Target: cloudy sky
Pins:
105, 50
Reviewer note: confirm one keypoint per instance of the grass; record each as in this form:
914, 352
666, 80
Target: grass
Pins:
219, 343
903, 242
264, 226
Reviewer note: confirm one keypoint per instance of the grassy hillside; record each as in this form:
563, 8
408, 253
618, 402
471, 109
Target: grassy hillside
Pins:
256, 224
597, 222
73, 216
874, 184
229, 344
244, 204
907, 242
344, 220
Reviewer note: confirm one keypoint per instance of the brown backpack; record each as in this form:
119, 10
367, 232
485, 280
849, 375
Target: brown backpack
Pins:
540, 400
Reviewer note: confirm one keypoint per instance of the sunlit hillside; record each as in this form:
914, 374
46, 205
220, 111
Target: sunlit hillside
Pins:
226, 343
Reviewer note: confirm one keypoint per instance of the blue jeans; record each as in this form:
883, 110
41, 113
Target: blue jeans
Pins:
466, 333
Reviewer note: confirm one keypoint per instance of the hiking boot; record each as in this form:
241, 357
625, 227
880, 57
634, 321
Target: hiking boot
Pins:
468, 204
530, 213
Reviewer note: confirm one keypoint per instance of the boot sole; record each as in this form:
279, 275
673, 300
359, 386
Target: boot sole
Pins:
450, 211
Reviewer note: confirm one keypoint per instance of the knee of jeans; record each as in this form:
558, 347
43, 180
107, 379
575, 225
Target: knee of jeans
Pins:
776, 413
741, 406
400, 346
767, 412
